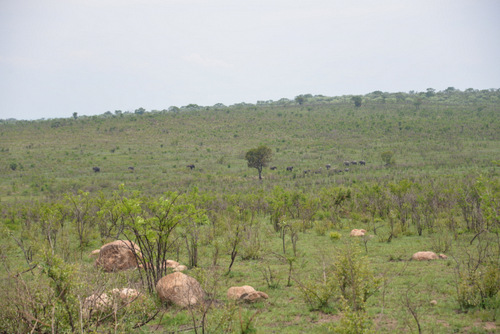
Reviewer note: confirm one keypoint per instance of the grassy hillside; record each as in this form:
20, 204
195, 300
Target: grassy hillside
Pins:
437, 138
290, 231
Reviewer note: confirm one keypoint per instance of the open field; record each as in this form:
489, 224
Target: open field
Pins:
288, 234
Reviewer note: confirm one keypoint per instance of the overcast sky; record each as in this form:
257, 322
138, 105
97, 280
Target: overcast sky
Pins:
58, 57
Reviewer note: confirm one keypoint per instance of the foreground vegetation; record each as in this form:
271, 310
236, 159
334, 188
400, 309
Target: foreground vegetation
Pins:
430, 183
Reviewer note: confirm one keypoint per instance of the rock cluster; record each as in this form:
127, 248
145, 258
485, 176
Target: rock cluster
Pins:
358, 233
246, 293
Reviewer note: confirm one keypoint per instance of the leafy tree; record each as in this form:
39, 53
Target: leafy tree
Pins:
192, 106
400, 97
75, 115
140, 111
152, 223
82, 207
259, 158
418, 102
450, 90
357, 101
300, 99
234, 226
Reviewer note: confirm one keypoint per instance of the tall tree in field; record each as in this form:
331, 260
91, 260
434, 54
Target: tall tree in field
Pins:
357, 101
300, 99
259, 158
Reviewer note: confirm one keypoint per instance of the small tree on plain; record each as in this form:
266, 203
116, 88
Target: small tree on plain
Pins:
259, 158
300, 99
357, 101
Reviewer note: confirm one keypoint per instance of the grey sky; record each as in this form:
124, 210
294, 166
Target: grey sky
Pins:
90, 56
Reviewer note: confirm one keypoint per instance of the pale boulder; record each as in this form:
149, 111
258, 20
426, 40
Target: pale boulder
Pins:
96, 303
171, 264
236, 292
254, 297
246, 293
358, 233
118, 255
424, 256
164, 265
126, 295
180, 289
180, 267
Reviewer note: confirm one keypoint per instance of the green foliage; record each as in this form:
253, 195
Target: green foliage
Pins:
479, 288
353, 322
357, 101
356, 281
300, 99
259, 158
442, 196
317, 292
349, 279
320, 227
334, 236
152, 224
489, 194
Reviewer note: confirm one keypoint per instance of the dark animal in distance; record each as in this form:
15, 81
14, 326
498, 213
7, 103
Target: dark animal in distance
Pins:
273, 168
96, 169
190, 166
347, 163
131, 168
289, 169
354, 162
328, 166
362, 162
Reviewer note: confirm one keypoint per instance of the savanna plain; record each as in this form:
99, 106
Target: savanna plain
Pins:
415, 171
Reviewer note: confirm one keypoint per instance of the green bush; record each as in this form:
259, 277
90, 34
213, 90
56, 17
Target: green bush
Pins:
335, 236
320, 227
353, 322
353, 276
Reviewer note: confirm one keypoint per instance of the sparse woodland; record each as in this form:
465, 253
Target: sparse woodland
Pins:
177, 183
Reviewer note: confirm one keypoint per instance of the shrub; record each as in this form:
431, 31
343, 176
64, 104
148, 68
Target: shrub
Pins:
349, 279
317, 292
320, 227
353, 322
354, 279
334, 236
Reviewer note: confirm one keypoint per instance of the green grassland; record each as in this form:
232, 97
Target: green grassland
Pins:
441, 192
